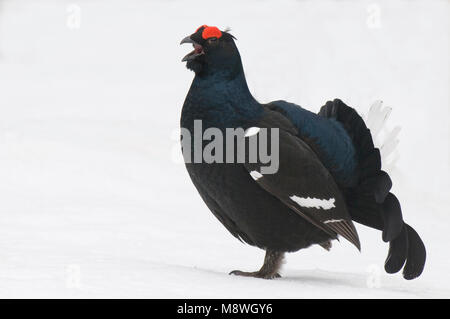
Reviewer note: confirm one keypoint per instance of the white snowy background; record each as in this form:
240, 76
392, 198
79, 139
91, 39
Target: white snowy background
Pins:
92, 203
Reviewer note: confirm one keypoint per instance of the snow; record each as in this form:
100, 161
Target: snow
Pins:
93, 202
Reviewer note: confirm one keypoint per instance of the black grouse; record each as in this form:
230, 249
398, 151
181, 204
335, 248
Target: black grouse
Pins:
325, 173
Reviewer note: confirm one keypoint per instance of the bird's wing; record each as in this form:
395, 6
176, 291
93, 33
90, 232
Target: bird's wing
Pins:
327, 138
301, 182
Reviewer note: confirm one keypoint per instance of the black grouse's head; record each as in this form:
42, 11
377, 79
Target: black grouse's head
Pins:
214, 52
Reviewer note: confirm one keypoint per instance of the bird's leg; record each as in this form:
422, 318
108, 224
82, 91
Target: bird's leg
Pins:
272, 264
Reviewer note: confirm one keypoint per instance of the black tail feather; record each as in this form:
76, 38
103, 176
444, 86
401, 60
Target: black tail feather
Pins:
378, 185
371, 203
382, 184
398, 252
371, 164
416, 255
392, 218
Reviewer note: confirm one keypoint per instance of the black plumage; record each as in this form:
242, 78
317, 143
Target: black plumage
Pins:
329, 172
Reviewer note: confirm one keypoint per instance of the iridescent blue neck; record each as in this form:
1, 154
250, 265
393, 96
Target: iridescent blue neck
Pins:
222, 99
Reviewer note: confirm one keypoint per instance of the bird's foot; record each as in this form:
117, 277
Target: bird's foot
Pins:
256, 274
270, 268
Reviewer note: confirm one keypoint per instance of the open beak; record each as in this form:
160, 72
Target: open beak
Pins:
198, 49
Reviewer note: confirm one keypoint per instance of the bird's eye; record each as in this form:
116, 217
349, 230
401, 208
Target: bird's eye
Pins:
212, 40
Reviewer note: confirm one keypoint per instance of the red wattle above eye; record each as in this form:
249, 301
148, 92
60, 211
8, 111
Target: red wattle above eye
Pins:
211, 32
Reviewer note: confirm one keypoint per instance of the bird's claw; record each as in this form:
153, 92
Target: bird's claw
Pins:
255, 274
